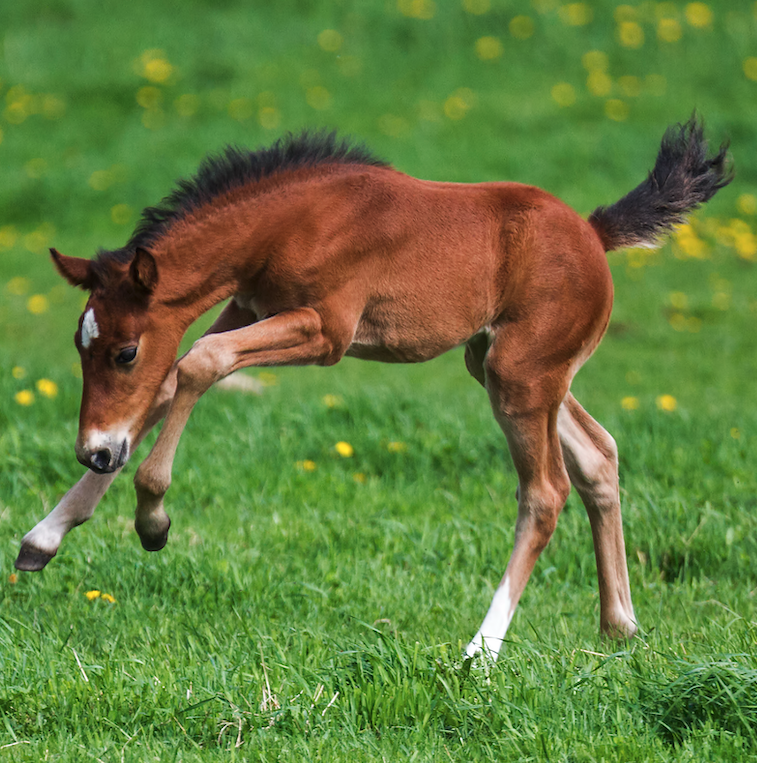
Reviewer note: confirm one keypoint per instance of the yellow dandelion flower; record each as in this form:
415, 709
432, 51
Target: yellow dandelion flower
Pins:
576, 14
187, 105
153, 66
630, 35
699, 15
688, 244
521, 27
149, 97
667, 403
750, 68
595, 60
735, 433
637, 258
154, 119
630, 403
330, 40
625, 13
120, 214
694, 324
332, 401
24, 397
617, 110
396, 447
599, 83
13, 578
666, 10
747, 204
678, 321
477, 7
417, 9
241, 109
630, 85
459, 103
8, 237
488, 48
344, 449
318, 98
37, 304
36, 241
669, 30
18, 372
92, 595
307, 465
53, 107
746, 245
563, 94
107, 597
47, 388
269, 117
100, 180
678, 299
158, 70
360, 478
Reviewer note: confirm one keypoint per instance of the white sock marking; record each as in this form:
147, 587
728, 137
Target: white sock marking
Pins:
492, 632
89, 328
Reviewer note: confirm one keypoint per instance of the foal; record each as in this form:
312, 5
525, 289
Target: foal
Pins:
325, 251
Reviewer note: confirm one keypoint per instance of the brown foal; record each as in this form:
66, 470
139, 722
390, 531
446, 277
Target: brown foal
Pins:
324, 251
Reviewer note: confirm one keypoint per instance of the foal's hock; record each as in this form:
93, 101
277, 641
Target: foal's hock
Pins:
323, 251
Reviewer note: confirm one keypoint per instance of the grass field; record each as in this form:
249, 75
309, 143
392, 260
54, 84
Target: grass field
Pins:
312, 606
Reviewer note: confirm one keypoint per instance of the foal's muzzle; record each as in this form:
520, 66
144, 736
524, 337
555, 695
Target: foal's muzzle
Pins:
103, 453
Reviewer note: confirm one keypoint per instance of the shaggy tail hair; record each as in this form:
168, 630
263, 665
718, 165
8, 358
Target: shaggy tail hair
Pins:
682, 179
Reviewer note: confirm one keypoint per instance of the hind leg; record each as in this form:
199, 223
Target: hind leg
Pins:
525, 393
591, 458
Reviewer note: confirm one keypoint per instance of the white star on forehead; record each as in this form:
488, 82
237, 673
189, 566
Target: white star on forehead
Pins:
89, 328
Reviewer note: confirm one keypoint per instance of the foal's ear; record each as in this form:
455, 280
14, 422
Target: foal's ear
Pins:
76, 270
144, 271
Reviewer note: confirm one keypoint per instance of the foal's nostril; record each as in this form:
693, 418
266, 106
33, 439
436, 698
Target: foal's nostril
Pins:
101, 459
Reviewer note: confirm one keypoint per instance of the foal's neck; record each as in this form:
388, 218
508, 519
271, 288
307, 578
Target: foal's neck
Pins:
203, 257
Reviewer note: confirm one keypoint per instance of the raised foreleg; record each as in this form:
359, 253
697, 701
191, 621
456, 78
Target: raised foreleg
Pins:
78, 505
41, 543
289, 338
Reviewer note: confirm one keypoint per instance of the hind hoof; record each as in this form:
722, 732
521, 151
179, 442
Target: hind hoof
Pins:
31, 559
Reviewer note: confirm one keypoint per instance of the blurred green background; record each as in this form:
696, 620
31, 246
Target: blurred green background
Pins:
103, 105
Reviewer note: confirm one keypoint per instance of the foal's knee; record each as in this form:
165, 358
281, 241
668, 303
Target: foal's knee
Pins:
201, 367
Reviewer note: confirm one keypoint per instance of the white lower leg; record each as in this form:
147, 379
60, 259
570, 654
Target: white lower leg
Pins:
492, 632
76, 506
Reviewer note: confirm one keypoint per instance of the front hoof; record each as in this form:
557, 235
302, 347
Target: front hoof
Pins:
154, 542
31, 559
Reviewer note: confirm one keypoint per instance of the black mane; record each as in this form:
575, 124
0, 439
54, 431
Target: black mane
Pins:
235, 167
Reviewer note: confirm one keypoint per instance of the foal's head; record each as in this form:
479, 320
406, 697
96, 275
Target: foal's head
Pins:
126, 352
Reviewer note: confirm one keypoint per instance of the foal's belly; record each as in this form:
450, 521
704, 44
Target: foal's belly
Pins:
390, 340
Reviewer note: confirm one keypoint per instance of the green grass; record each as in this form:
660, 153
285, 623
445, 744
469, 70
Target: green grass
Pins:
321, 615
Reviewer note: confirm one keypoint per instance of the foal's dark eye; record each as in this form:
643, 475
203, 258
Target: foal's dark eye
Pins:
126, 355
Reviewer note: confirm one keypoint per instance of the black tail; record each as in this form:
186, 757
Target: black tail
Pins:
682, 179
